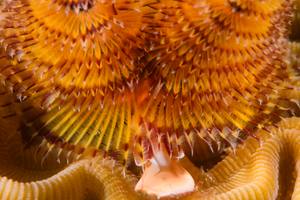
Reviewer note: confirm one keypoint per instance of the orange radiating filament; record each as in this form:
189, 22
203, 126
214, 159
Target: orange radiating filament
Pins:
121, 76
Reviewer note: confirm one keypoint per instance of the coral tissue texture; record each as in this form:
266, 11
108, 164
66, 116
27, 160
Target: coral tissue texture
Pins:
94, 91
254, 171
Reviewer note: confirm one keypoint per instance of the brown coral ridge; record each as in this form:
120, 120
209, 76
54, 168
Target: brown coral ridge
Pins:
259, 171
24, 178
254, 171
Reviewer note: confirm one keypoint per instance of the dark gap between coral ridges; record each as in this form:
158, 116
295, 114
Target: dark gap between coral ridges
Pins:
287, 178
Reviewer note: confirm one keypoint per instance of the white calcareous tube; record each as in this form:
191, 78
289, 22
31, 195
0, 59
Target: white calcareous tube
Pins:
164, 177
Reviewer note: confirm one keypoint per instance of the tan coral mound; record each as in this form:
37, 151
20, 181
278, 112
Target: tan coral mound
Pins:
266, 171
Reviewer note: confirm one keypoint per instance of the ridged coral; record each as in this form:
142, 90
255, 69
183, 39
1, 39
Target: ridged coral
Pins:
23, 178
254, 171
